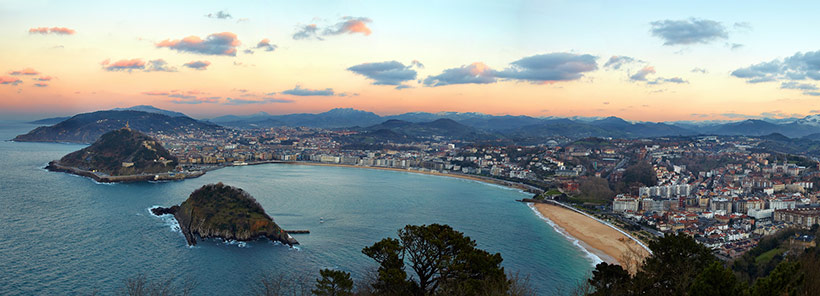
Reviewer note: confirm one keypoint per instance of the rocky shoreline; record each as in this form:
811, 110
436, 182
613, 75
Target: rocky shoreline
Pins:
196, 217
54, 166
192, 231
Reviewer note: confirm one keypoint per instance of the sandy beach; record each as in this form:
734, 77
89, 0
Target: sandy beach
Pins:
601, 240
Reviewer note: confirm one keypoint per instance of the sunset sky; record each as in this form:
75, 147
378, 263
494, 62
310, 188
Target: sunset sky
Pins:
639, 60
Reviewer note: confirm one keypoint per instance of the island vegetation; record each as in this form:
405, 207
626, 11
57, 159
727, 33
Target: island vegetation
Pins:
225, 212
122, 152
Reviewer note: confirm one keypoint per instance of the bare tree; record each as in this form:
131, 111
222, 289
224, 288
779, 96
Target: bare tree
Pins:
520, 286
141, 286
281, 283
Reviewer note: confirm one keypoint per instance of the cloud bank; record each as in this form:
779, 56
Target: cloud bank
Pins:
686, 32
8, 80
224, 43
543, 68
386, 73
299, 91
198, 65
26, 71
191, 97
52, 30
616, 62
265, 45
347, 25
219, 15
126, 65
798, 67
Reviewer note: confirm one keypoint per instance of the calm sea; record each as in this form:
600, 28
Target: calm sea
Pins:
62, 234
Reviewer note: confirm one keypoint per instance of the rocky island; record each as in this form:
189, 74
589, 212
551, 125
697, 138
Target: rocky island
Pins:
122, 155
226, 212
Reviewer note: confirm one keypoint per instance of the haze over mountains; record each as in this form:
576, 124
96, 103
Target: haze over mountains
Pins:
86, 127
572, 127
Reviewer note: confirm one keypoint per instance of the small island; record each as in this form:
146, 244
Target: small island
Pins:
123, 155
226, 212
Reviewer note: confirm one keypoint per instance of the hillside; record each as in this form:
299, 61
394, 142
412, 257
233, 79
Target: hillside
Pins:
122, 152
87, 127
226, 212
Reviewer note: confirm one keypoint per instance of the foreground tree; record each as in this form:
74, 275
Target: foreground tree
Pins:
676, 261
391, 279
333, 283
786, 279
610, 279
716, 280
444, 262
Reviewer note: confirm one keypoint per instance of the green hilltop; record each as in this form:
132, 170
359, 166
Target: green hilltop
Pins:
122, 152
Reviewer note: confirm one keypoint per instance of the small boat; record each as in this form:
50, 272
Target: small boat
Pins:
321, 219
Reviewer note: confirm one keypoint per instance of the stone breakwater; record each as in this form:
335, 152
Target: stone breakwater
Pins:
54, 166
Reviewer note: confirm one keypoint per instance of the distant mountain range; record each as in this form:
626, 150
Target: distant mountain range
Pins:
87, 127
336, 118
528, 127
49, 121
409, 126
151, 109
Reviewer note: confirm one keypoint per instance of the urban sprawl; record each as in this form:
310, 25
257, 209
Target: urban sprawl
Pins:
724, 191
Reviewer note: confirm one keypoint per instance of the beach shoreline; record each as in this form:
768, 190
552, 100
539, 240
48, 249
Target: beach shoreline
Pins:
607, 243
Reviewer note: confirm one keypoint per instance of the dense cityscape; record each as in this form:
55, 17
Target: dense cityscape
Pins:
419, 148
724, 191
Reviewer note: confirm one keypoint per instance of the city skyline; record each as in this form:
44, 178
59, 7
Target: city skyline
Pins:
642, 61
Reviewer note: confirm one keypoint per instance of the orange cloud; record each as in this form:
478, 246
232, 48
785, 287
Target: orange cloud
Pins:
62, 31
357, 26
53, 30
478, 68
9, 80
40, 30
351, 25
44, 78
26, 71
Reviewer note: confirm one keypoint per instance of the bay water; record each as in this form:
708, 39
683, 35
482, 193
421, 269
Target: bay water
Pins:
67, 235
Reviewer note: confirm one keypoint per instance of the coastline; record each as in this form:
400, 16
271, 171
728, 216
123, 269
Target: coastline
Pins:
607, 243
499, 182
601, 242
56, 167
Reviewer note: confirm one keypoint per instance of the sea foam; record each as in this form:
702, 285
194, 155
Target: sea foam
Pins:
168, 220
591, 256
